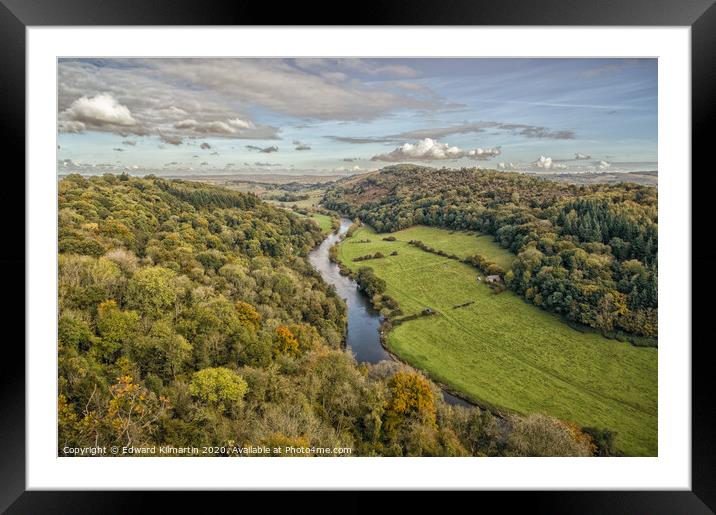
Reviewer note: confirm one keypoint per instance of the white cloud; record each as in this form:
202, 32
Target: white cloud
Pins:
355, 168
429, 150
546, 163
238, 123
579, 156
214, 127
483, 154
603, 165
100, 110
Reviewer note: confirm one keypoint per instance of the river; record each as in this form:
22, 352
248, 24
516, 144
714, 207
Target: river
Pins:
363, 321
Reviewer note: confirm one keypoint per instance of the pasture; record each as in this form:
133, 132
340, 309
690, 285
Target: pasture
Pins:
323, 221
460, 243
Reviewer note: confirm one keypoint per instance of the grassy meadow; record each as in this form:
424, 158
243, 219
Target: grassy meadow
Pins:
460, 243
502, 351
323, 221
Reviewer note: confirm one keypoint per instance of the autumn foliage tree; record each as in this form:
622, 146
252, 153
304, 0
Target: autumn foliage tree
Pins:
410, 398
285, 342
248, 315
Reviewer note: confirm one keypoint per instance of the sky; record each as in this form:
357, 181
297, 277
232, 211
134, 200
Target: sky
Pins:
341, 116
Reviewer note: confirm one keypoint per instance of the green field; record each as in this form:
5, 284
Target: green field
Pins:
502, 351
324, 222
460, 243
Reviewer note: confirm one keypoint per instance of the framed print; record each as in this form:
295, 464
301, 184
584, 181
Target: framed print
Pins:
424, 256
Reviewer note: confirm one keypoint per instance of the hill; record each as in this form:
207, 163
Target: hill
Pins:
588, 253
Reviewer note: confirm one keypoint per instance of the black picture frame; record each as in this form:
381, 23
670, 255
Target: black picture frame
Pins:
700, 15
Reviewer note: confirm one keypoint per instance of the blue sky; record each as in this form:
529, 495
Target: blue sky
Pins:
340, 116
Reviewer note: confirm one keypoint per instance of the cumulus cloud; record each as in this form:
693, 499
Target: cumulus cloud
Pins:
603, 165
483, 154
205, 146
99, 111
431, 150
263, 150
579, 156
301, 146
546, 163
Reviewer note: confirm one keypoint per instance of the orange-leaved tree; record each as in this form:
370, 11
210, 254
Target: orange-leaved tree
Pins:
411, 398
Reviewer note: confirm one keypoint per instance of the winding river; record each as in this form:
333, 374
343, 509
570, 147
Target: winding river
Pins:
363, 321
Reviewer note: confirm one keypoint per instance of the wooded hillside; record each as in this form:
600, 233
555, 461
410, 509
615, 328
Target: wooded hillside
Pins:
190, 316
